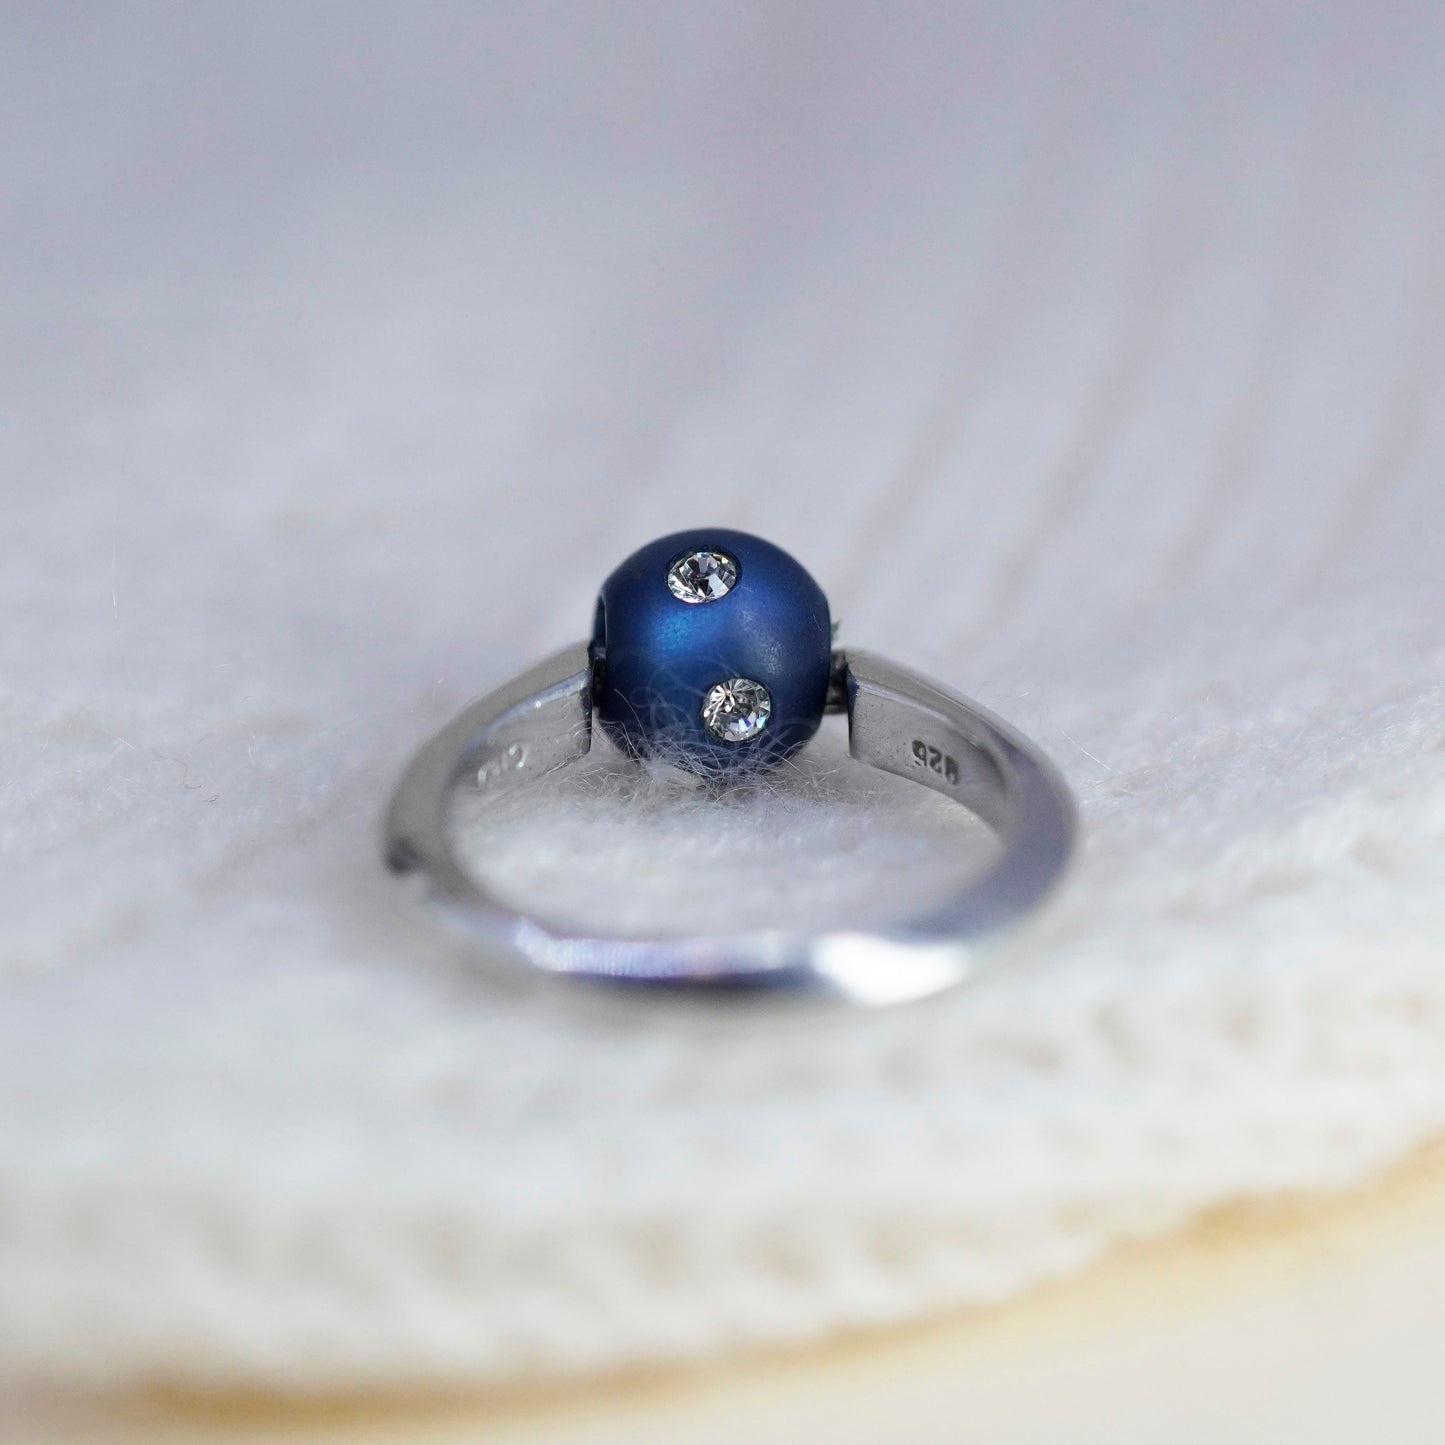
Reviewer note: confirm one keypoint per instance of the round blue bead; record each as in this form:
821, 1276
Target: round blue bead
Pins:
656, 657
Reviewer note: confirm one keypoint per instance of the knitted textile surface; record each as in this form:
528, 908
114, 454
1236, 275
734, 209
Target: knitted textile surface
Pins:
1092, 359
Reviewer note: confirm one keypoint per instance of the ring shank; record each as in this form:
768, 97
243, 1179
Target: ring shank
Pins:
897, 722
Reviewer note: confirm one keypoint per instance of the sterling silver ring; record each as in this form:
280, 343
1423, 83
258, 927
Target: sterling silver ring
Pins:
713, 650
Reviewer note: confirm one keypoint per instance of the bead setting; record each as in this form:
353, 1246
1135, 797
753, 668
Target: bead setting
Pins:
712, 651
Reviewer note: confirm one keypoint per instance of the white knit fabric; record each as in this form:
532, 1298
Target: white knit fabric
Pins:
1091, 358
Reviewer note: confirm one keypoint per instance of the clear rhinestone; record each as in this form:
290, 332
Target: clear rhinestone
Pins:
737, 709
702, 576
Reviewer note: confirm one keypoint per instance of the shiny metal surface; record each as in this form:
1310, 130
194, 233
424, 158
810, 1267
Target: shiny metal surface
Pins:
897, 721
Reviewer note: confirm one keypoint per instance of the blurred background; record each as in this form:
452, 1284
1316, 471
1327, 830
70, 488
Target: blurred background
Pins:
1089, 355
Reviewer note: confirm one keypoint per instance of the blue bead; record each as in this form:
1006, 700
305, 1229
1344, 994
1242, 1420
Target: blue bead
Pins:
657, 658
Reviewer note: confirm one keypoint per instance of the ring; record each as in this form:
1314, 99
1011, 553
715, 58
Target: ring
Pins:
712, 650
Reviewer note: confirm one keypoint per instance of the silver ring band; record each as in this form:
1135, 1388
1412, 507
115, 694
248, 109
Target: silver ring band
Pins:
897, 721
